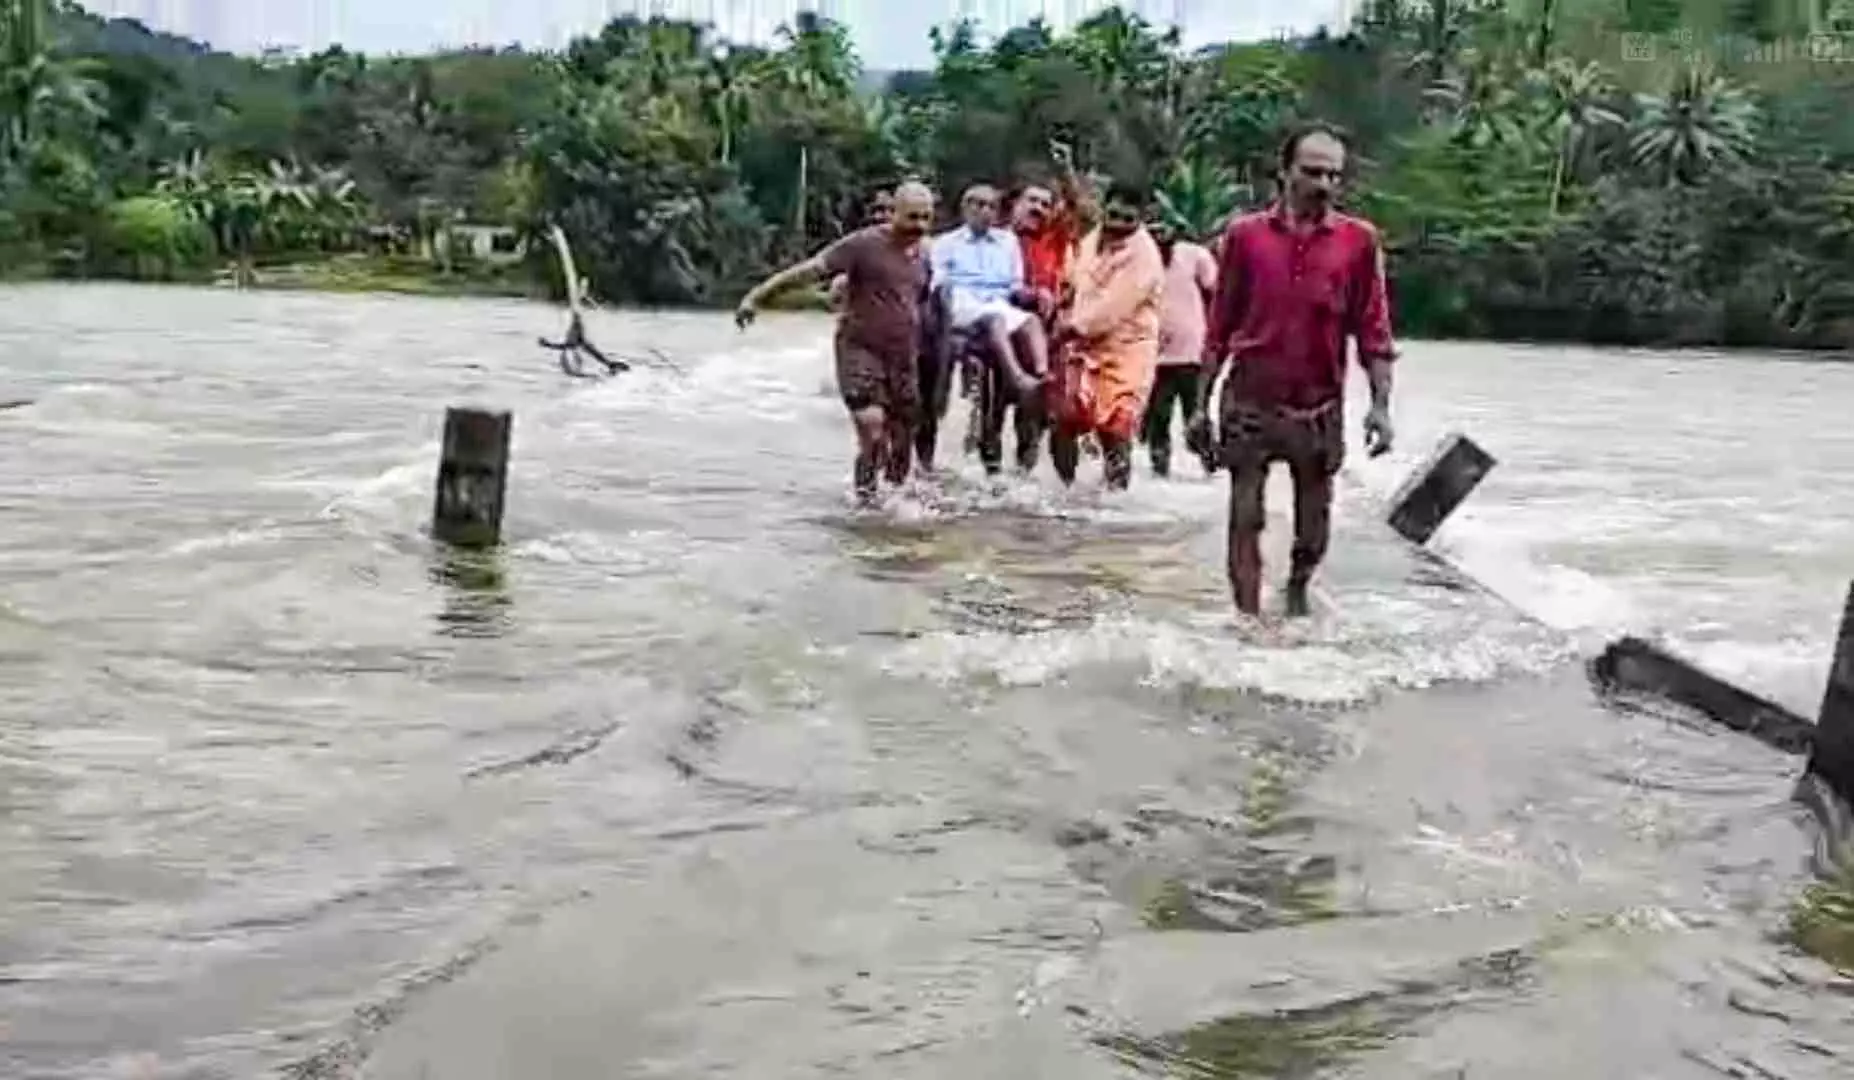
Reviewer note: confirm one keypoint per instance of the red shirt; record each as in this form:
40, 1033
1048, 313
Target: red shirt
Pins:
1047, 251
1288, 295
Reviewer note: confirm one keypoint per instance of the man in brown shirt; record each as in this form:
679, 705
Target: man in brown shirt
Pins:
881, 209
877, 332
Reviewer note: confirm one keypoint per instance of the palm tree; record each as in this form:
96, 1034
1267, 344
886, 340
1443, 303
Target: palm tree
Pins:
730, 85
1244, 107
818, 60
818, 66
1122, 51
37, 88
1576, 111
1480, 101
1197, 197
1701, 121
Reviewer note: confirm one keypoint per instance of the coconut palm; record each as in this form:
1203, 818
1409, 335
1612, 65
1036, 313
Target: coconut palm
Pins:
38, 89
1576, 100
1701, 121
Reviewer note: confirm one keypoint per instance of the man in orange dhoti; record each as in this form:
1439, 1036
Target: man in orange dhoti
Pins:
1109, 340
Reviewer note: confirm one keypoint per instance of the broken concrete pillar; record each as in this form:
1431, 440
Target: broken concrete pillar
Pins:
1438, 486
472, 477
1833, 756
1633, 665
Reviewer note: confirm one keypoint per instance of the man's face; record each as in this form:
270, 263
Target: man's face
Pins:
979, 208
1314, 176
1119, 217
1166, 236
913, 215
1033, 208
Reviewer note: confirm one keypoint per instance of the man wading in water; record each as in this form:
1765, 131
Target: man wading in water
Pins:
1295, 281
1049, 224
877, 332
881, 210
1190, 283
1108, 339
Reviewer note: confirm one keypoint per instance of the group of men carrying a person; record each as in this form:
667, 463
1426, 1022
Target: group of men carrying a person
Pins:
1091, 324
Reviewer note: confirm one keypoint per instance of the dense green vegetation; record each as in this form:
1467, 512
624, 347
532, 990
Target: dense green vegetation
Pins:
1537, 177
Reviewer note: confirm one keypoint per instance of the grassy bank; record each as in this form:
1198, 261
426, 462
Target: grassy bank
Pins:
398, 274
359, 273
419, 277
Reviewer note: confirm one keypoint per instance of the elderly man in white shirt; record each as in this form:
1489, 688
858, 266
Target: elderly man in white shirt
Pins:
981, 268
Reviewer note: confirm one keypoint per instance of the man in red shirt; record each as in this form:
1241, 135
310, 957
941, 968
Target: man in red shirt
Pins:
1295, 281
1049, 227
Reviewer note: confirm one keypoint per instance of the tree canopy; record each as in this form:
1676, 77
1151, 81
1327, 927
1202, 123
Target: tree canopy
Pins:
1606, 170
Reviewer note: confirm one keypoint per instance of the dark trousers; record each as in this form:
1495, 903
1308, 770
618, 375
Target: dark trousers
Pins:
1174, 388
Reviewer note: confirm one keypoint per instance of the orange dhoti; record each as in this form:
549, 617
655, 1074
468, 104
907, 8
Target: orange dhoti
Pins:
1104, 368
1099, 389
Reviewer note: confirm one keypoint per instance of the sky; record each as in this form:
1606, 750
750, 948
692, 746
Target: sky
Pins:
889, 33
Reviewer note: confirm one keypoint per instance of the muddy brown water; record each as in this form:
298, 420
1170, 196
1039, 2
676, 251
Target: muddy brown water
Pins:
707, 775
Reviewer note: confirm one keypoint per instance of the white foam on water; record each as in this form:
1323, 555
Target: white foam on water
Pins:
228, 540
382, 495
1722, 532
751, 383
1376, 638
1503, 559
1337, 658
1373, 636
636, 551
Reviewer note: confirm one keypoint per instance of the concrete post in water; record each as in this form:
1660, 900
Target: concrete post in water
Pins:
1453, 470
473, 471
1833, 756
1632, 665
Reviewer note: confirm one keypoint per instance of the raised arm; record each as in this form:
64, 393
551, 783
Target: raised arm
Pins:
1370, 320
1225, 310
1076, 196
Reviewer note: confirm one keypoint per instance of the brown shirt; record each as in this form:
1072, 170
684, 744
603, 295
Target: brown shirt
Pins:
881, 305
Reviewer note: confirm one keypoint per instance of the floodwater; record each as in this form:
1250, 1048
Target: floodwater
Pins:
707, 775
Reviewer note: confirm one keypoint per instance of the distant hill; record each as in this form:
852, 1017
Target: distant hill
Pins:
80, 31
878, 80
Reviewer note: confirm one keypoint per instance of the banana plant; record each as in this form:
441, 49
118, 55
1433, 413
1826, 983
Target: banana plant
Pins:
1196, 197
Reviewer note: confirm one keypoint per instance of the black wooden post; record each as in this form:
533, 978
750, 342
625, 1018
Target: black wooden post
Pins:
1833, 756
1635, 665
1432, 493
473, 473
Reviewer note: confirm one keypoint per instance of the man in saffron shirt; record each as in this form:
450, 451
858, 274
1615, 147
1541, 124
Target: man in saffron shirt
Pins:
1295, 281
1109, 339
